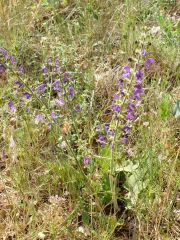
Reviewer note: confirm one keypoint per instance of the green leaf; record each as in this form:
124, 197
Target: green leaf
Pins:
176, 109
128, 167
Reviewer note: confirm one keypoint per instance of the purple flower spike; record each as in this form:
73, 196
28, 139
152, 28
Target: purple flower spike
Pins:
60, 102
130, 114
53, 115
41, 88
78, 108
87, 160
2, 68
116, 108
137, 91
11, 107
13, 61
56, 85
127, 72
139, 76
149, 62
21, 69
39, 118
27, 95
71, 91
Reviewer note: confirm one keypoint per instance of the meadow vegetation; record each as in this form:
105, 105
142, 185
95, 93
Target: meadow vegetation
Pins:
89, 119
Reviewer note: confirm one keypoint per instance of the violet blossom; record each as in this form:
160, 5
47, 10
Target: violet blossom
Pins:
60, 102
39, 118
149, 62
127, 72
2, 68
71, 91
21, 69
53, 115
87, 160
56, 85
11, 107
41, 88
27, 95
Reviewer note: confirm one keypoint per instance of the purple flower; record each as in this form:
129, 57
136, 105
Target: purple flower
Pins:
130, 116
13, 61
67, 76
53, 115
18, 83
101, 139
71, 91
116, 108
28, 110
139, 76
2, 50
125, 129
131, 112
2, 68
127, 72
41, 88
11, 107
56, 85
5, 53
77, 108
57, 66
137, 91
45, 70
149, 62
87, 160
60, 102
116, 97
21, 69
39, 118
27, 95
123, 140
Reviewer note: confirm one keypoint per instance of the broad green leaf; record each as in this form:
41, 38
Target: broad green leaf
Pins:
128, 167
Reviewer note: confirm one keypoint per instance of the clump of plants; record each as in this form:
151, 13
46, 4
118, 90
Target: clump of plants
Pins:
56, 101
